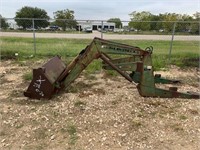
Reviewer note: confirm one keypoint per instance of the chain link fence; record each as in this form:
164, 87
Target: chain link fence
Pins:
39, 33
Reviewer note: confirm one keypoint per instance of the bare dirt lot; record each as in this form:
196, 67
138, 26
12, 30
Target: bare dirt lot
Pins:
98, 113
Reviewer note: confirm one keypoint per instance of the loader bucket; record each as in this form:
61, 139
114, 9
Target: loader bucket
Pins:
43, 84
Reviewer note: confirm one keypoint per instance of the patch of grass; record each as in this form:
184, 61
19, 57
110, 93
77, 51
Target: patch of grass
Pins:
94, 67
28, 76
110, 73
159, 61
186, 59
71, 129
73, 89
183, 117
79, 103
184, 53
44, 46
136, 123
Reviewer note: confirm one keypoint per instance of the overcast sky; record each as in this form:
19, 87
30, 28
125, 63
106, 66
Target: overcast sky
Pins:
102, 9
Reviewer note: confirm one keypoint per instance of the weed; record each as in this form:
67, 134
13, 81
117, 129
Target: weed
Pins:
28, 76
177, 127
182, 117
136, 123
93, 67
71, 129
111, 73
73, 89
79, 103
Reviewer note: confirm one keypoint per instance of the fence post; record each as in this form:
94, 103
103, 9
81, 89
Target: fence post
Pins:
171, 44
102, 29
34, 42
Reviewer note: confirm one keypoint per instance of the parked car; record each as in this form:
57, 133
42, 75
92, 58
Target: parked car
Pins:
118, 30
87, 29
53, 28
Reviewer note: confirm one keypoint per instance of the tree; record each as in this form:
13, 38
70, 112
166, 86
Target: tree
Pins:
155, 23
117, 21
169, 19
30, 12
65, 19
3, 23
137, 17
195, 27
184, 27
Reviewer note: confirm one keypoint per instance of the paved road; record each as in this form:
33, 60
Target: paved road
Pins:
98, 34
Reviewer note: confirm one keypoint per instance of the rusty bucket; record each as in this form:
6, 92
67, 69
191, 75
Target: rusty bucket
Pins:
44, 82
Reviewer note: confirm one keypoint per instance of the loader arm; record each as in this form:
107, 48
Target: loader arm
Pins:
99, 48
139, 62
47, 81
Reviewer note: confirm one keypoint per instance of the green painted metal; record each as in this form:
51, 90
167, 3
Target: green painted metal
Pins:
157, 78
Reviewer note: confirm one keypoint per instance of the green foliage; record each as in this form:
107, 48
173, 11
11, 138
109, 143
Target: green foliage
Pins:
28, 76
186, 60
71, 129
137, 17
117, 21
169, 19
146, 21
195, 27
3, 23
184, 53
79, 103
93, 67
65, 19
30, 12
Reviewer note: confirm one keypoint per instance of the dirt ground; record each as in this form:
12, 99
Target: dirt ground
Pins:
97, 113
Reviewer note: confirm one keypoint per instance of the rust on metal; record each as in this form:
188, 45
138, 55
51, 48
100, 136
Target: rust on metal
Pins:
44, 78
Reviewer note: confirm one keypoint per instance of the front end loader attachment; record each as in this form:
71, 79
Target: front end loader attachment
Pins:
136, 68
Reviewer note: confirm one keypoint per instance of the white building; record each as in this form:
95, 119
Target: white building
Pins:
96, 25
